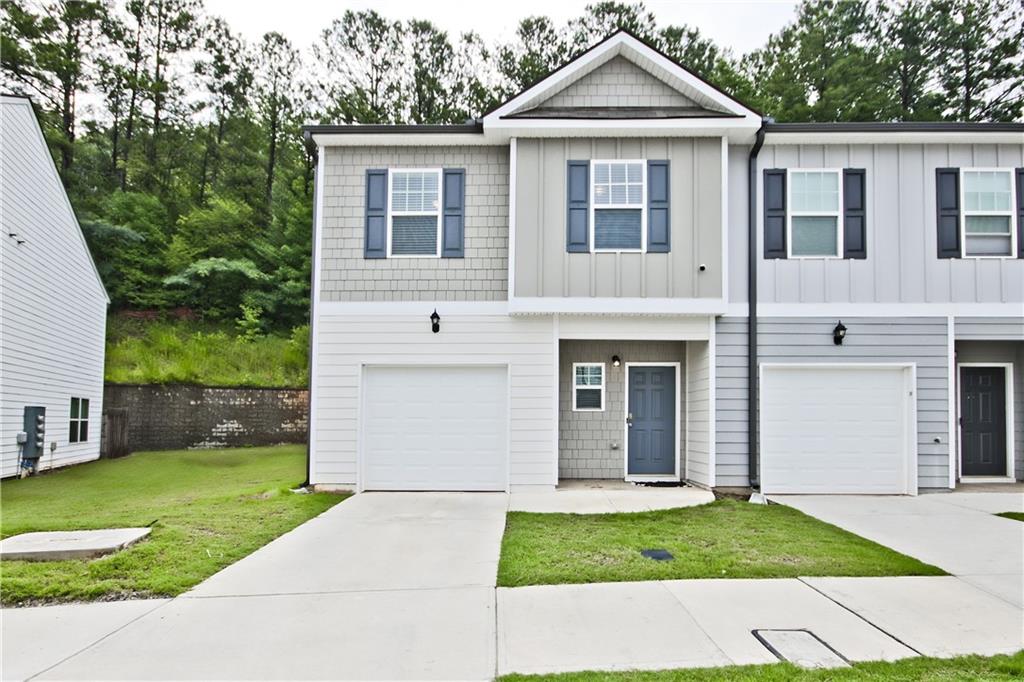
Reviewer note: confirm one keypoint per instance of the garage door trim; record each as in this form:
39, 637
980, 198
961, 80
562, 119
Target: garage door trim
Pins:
361, 459
910, 386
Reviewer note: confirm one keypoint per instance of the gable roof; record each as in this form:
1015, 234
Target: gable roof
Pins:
555, 95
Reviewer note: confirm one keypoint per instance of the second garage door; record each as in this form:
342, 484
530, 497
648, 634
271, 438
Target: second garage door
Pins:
435, 428
837, 429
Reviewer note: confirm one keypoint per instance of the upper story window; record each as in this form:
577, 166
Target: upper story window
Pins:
618, 201
815, 216
588, 386
414, 212
988, 229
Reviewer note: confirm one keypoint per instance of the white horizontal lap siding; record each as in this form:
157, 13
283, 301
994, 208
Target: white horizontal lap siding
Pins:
922, 341
52, 307
698, 410
990, 328
348, 342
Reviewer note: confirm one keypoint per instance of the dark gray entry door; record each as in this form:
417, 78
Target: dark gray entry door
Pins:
983, 421
651, 420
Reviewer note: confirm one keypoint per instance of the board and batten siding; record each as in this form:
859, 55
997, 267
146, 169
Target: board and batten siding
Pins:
347, 341
902, 265
52, 305
543, 268
923, 341
481, 275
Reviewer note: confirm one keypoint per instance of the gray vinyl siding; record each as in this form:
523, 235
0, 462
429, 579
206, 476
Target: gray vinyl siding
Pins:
990, 328
545, 269
922, 341
590, 443
697, 445
1003, 351
618, 83
481, 275
902, 264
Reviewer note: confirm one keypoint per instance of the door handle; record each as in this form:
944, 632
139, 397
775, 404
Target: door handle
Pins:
629, 419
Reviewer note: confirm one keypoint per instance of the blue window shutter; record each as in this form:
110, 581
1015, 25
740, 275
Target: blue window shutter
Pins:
774, 213
376, 238
1020, 213
659, 230
947, 215
577, 185
454, 213
855, 229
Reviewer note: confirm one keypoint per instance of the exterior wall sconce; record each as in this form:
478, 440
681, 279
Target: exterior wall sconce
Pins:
435, 322
839, 333
616, 361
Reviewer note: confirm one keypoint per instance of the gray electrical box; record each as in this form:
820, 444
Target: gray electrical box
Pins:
35, 428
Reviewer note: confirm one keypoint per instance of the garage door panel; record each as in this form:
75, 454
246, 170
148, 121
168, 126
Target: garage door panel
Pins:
834, 429
435, 428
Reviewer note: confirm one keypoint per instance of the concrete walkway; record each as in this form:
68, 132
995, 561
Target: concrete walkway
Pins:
401, 586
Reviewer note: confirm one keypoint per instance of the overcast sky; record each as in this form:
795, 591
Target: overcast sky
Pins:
741, 25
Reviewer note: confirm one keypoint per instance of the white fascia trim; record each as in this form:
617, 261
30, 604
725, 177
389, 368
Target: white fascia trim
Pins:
317, 313
918, 137
407, 140
1011, 310
738, 130
518, 305
424, 308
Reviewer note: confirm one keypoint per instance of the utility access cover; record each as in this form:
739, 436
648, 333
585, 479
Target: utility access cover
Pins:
69, 544
657, 554
801, 648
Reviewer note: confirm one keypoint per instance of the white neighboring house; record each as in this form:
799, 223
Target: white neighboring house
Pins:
54, 306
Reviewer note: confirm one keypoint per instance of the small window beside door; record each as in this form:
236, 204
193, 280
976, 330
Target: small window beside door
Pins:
79, 424
588, 387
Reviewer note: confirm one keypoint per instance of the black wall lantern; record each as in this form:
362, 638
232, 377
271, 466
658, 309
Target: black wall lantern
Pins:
839, 333
435, 322
616, 361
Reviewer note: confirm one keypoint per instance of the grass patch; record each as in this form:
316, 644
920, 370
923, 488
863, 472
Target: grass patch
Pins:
209, 508
906, 670
723, 539
190, 352
1016, 516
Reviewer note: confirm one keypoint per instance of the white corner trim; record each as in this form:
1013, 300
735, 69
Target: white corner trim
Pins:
952, 391
556, 411
712, 407
1008, 377
314, 327
513, 164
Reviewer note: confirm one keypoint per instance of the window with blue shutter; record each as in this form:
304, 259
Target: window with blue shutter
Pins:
815, 213
947, 209
659, 231
1020, 212
375, 243
854, 214
618, 196
774, 213
454, 220
577, 225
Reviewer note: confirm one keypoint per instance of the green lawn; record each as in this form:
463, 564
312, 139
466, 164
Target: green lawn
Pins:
1016, 516
208, 508
724, 539
907, 670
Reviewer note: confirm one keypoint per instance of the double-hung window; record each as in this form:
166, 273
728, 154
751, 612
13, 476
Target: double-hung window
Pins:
414, 212
588, 387
79, 423
618, 198
988, 220
815, 215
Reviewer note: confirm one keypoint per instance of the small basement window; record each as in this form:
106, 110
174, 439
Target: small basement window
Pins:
618, 192
815, 219
414, 213
79, 432
588, 387
988, 213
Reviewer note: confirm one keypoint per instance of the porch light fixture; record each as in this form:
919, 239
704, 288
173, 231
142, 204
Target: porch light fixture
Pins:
616, 361
435, 322
839, 333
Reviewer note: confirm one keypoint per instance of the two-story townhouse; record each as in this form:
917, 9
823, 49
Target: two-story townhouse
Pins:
563, 290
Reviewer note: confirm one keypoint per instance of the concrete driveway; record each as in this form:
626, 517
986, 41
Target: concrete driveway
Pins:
958, 532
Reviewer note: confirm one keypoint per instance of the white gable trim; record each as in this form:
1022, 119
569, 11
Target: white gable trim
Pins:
8, 100
625, 45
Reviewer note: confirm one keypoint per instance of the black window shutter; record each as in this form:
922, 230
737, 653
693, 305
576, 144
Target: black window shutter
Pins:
453, 215
577, 232
376, 238
947, 215
774, 213
855, 234
659, 230
1020, 213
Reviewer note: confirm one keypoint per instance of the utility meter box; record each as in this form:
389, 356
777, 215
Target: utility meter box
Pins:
35, 428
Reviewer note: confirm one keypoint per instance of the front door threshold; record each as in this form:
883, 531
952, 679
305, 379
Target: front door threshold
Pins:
987, 479
653, 478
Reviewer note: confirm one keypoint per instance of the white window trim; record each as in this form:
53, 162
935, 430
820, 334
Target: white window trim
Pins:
575, 388
1011, 212
437, 213
790, 213
77, 421
642, 206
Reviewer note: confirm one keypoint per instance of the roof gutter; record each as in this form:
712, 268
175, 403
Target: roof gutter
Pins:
752, 256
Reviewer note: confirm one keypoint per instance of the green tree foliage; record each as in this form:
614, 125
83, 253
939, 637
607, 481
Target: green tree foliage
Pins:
187, 165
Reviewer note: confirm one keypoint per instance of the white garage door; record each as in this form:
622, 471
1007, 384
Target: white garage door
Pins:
435, 428
830, 429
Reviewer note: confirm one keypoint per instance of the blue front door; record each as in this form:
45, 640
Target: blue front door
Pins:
651, 421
